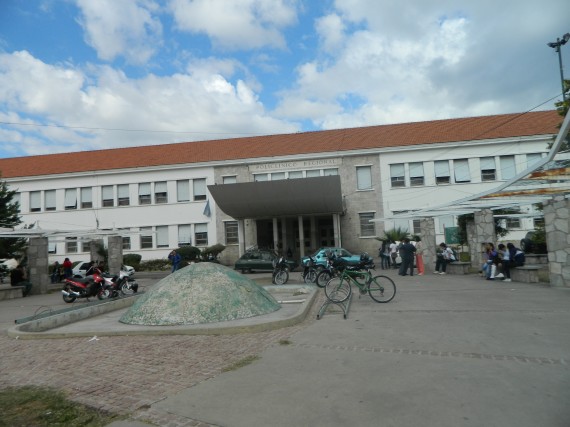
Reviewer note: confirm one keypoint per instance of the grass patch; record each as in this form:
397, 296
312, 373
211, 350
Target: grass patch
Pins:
285, 342
241, 363
37, 406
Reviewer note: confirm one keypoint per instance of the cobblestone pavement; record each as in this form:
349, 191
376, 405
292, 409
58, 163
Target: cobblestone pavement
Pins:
125, 375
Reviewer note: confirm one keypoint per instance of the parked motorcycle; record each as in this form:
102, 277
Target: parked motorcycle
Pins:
89, 287
310, 271
120, 284
280, 271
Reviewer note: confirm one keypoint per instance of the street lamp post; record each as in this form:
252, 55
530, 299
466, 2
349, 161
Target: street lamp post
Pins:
556, 46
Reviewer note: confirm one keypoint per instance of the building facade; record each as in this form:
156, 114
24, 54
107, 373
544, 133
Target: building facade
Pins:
293, 192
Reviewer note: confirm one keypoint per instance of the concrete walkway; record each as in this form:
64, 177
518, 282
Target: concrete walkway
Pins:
448, 351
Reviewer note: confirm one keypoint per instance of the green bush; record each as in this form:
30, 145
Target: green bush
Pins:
133, 260
155, 265
215, 250
189, 253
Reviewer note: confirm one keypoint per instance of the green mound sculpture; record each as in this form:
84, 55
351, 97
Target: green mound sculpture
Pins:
200, 293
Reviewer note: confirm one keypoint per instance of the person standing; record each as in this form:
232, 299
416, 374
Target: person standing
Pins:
505, 262
56, 273
393, 253
67, 268
419, 255
384, 253
175, 259
407, 251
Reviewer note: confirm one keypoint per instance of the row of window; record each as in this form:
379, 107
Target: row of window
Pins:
274, 176
118, 195
457, 171
157, 237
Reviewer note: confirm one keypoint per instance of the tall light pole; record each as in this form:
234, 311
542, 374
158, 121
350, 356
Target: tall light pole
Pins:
556, 46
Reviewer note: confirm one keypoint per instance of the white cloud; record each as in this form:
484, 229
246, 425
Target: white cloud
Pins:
121, 28
237, 24
331, 31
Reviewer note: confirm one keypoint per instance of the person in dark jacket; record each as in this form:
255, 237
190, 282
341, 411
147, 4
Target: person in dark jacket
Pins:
18, 278
175, 259
407, 252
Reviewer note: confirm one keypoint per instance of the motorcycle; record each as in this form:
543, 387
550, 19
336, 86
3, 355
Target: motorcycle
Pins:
120, 284
280, 271
89, 287
310, 271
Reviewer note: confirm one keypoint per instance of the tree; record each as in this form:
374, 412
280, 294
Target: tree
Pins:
10, 247
500, 231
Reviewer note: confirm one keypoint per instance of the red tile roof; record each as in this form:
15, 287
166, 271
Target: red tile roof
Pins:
371, 137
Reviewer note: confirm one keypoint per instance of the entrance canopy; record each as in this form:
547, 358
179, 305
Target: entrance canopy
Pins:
263, 199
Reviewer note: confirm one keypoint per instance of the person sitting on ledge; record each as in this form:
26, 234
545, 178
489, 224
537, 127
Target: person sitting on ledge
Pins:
18, 278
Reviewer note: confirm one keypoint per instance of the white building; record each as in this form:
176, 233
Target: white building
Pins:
298, 191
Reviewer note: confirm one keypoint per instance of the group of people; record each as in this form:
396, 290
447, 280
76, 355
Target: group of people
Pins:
498, 262
61, 271
410, 254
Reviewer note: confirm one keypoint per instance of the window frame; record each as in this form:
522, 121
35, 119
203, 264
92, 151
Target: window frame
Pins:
197, 185
107, 196
231, 232
364, 178
397, 178
367, 228
442, 172
122, 198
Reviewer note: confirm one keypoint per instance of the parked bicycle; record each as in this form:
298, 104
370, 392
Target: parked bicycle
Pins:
330, 270
380, 288
310, 271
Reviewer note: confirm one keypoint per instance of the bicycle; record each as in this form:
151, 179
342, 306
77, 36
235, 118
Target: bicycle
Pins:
380, 288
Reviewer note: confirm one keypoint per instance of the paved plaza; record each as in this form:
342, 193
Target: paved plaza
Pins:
448, 351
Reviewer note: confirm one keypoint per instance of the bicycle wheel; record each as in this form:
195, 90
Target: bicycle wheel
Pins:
311, 276
281, 277
382, 289
337, 289
322, 278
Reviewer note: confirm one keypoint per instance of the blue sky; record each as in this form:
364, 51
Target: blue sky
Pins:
80, 75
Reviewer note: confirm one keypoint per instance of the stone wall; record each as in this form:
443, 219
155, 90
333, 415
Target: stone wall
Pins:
484, 232
38, 265
428, 236
557, 227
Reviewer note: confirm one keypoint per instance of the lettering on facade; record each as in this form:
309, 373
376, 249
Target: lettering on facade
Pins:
295, 165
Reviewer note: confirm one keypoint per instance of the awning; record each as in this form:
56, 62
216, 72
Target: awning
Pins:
267, 199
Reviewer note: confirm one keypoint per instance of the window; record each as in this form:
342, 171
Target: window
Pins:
183, 190
417, 226
123, 197
329, 172
295, 174
313, 173
367, 228
363, 177
184, 235
277, 176
107, 196
162, 236
144, 193
71, 245
416, 174
229, 179
441, 172
260, 177
86, 198
513, 223
52, 248
199, 186
35, 201
160, 192
50, 200
488, 169
231, 232
446, 221
126, 243
397, 175
532, 159
538, 222
70, 198
146, 237
461, 170
201, 234
508, 168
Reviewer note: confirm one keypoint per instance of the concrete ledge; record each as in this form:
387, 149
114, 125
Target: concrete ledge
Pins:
526, 273
11, 292
458, 267
82, 322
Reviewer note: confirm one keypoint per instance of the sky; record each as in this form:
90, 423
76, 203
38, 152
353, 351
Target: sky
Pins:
79, 75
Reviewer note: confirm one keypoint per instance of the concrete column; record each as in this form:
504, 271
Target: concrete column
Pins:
115, 254
557, 228
94, 247
336, 230
241, 237
474, 248
484, 233
284, 236
428, 236
37, 267
301, 237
